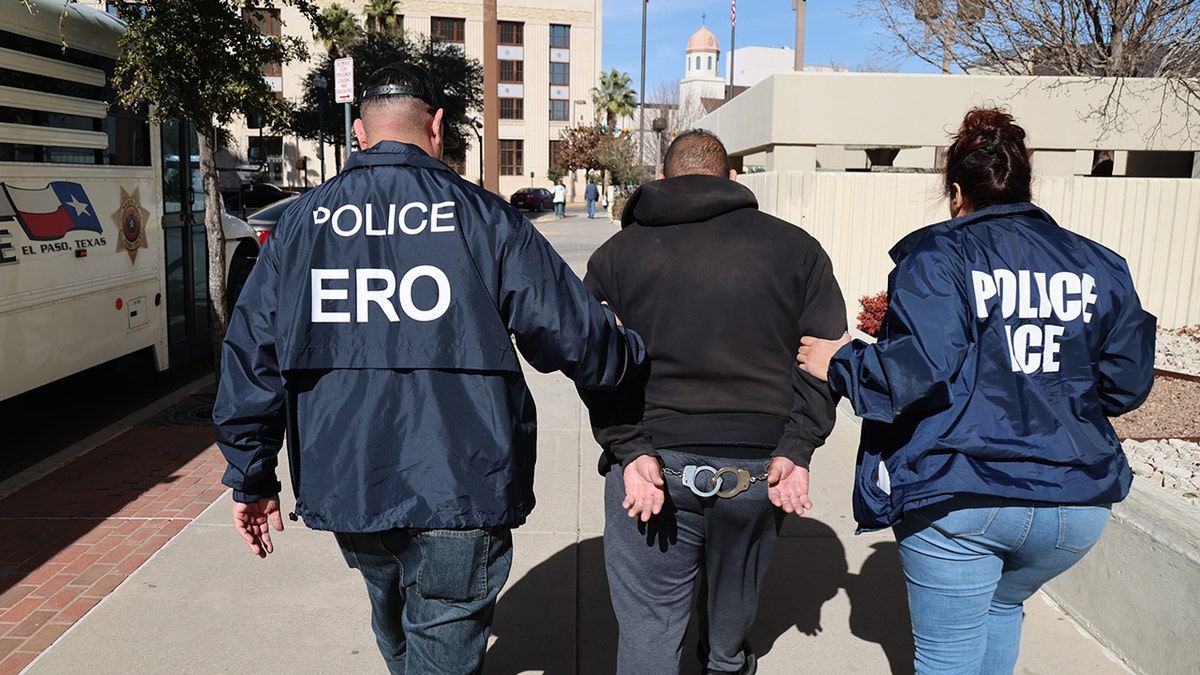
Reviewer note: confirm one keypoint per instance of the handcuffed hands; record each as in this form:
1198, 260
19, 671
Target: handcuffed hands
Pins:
787, 486
644, 495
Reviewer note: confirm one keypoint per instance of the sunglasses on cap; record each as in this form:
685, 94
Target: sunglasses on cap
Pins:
403, 90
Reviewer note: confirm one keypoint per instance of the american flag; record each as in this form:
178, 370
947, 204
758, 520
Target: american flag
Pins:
732, 12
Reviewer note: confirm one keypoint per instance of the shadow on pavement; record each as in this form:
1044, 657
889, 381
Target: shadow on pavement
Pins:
151, 473
539, 628
879, 606
808, 569
41, 422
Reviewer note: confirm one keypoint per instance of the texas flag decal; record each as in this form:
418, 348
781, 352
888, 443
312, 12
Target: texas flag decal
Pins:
49, 213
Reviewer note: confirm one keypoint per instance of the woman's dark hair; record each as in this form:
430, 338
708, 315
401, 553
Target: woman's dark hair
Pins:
988, 160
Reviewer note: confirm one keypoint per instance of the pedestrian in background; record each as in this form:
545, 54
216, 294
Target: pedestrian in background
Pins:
590, 194
1008, 343
385, 350
720, 435
560, 198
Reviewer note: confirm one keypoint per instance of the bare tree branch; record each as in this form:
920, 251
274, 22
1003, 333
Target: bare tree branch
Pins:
1084, 38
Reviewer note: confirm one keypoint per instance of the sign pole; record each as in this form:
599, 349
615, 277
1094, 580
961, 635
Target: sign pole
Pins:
343, 89
491, 101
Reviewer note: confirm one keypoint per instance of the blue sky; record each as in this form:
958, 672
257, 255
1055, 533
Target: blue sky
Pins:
831, 36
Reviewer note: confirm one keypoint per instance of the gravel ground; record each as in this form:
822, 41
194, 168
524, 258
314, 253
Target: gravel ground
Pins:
1170, 417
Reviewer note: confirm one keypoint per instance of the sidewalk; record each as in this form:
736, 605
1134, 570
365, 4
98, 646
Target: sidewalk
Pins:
115, 563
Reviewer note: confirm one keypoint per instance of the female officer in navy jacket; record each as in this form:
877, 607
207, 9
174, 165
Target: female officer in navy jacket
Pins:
986, 445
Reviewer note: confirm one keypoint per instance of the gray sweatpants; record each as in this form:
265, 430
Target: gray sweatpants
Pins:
720, 548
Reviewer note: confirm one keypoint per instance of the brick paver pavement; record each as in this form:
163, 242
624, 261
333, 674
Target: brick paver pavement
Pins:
70, 538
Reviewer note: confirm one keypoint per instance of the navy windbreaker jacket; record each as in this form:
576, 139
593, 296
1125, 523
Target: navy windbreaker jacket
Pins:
378, 328
1007, 344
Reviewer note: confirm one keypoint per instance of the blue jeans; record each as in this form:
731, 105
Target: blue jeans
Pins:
432, 593
591, 204
972, 561
559, 209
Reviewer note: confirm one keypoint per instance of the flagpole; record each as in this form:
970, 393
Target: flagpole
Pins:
642, 94
732, 45
489, 146
800, 7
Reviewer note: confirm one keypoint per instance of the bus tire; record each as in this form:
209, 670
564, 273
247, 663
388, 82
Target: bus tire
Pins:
239, 271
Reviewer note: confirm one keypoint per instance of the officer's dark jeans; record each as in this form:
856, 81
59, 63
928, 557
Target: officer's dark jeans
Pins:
719, 548
432, 593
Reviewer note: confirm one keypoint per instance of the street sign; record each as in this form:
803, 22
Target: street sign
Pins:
343, 80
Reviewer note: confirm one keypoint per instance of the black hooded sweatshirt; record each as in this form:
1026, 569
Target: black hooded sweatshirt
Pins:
722, 293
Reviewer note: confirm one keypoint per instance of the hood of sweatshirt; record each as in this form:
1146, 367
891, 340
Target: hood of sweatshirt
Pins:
685, 199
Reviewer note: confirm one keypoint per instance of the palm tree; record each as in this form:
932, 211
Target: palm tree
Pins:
382, 16
614, 97
337, 29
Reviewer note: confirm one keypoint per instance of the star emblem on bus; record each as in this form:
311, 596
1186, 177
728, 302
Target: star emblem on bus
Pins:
130, 218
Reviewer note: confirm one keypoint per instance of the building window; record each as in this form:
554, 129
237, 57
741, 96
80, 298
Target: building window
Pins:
710, 63
266, 20
555, 149
558, 110
267, 23
511, 33
560, 74
560, 36
444, 29
459, 166
697, 63
512, 158
512, 72
512, 108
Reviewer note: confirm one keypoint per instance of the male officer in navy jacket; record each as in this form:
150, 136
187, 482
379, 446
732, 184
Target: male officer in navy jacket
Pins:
378, 330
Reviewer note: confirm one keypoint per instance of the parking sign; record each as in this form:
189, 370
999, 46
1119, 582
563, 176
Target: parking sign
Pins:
343, 80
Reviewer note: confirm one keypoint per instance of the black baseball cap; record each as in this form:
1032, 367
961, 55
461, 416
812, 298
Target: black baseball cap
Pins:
403, 79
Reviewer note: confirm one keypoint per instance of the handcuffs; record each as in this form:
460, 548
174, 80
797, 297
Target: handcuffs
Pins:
692, 472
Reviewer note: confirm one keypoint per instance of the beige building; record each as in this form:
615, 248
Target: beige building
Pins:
549, 59
886, 121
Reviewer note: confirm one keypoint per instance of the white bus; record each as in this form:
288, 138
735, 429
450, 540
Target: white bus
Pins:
102, 246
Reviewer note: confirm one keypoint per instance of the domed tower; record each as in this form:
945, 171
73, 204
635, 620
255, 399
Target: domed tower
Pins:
702, 78
703, 55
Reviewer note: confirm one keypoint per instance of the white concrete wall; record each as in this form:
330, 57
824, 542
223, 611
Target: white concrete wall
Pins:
1153, 222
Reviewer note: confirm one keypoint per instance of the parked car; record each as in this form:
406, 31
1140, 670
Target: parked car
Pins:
264, 219
532, 199
253, 196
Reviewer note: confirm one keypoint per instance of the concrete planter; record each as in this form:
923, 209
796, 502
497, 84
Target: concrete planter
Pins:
1138, 590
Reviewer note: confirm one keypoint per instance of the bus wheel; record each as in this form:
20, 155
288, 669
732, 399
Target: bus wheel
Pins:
239, 270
